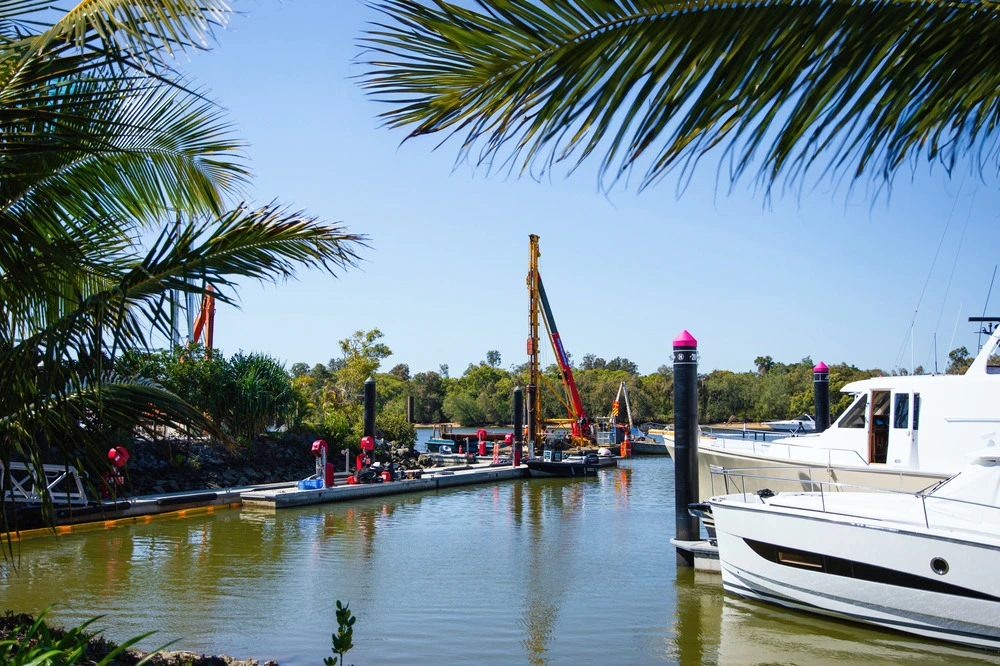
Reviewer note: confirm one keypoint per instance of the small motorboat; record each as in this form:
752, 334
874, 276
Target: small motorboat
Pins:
801, 423
912, 562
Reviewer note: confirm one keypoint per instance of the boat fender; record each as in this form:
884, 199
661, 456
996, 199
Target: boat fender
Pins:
118, 456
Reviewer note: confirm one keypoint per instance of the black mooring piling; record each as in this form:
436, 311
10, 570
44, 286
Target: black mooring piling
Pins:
369, 422
515, 453
409, 409
821, 396
685, 442
532, 420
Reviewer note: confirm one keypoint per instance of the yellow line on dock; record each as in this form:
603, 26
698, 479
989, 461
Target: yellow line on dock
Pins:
60, 530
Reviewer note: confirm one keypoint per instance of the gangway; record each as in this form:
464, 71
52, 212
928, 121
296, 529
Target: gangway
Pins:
62, 484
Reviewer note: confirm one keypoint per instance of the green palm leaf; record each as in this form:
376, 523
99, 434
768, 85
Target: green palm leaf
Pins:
783, 88
99, 141
141, 28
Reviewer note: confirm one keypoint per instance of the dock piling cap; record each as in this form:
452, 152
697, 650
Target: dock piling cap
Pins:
821, 367
685, 339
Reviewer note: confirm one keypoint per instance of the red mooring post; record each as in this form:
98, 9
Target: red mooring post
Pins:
685, 442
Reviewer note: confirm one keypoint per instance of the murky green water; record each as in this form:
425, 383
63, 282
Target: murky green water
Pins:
527, 572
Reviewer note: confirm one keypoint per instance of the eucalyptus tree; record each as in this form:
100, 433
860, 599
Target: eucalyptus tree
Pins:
104, 149
848, 88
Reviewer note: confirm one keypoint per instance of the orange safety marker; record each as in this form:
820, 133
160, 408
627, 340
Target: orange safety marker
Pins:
60, 530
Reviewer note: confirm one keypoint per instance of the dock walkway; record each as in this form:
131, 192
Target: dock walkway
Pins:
260, 497
432, 479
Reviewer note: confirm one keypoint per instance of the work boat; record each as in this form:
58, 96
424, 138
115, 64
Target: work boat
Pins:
922, 563
900, 433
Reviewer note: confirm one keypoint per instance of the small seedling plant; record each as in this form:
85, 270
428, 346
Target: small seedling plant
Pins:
343, 640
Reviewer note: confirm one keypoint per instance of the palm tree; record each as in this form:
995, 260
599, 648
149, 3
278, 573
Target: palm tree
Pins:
102, 143
852, 88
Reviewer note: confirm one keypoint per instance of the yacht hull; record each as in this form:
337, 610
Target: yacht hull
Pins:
649, 447
865, 571
795, 475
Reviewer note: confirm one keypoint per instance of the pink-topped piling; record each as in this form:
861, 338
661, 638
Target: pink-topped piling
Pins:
685, 442
821, 395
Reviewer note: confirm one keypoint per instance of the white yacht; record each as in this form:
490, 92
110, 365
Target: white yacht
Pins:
921, 563
801, 423
900, 432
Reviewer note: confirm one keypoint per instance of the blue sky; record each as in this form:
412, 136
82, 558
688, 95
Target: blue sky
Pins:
833, 276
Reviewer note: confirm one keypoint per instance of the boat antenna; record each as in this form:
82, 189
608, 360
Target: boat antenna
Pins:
979, 340
954, 264
930, 271
935, 353
954, 329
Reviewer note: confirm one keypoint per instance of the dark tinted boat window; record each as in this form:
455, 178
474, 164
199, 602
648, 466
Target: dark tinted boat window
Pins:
916, 410
855, 417
901, 412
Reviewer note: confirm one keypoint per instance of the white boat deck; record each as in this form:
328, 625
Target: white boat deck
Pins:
892, 510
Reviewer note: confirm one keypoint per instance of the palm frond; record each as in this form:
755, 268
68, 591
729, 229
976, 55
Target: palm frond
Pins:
861, 87
142, 28
132, 149
99, 139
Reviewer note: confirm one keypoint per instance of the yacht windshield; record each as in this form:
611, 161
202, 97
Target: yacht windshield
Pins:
855, 416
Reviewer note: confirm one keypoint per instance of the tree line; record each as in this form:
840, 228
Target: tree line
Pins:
248, 394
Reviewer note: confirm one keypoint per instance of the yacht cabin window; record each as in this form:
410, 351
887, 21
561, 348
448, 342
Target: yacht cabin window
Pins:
916, 411
855, 416
901, 411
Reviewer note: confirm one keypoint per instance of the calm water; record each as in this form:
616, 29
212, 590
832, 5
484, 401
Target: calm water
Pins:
526, 572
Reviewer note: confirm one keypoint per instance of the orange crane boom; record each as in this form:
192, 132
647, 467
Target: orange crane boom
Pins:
205, 321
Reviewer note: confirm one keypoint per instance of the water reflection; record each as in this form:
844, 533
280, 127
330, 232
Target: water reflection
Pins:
554, 507
756, 633
525, 572
695, 624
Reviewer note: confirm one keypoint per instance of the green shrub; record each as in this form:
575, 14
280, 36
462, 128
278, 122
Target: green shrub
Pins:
29, 641
395, 428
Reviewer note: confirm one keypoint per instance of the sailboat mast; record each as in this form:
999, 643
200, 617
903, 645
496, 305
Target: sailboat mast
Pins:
534, 398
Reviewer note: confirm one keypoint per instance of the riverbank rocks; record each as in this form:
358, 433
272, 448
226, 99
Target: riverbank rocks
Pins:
194, 659
184, 465
179, 465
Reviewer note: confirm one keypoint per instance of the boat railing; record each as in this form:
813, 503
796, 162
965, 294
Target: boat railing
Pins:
735, 481
846, 454
62, 484
725, 432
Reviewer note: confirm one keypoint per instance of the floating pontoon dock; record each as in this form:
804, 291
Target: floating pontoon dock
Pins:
267, 497
433, 479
